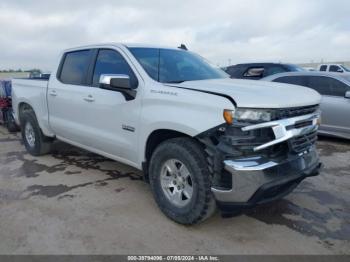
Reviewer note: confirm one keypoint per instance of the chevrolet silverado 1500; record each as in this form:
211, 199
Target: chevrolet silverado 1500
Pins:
202, 139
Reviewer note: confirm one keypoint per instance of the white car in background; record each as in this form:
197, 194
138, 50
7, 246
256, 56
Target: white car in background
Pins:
337, 68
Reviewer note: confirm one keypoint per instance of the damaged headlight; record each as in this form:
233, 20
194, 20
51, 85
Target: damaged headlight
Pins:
254, 115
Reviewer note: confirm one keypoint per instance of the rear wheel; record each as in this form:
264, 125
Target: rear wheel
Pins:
181, 181
34, 140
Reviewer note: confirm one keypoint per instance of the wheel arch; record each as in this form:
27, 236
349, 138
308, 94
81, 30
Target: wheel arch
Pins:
23, 107
155, 138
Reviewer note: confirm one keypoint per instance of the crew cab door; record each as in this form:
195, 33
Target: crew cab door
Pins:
86, 115
66, 98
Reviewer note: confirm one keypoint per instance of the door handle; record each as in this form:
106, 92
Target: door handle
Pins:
53, 93
89, 98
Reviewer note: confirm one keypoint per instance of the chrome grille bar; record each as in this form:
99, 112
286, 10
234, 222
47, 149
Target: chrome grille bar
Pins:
282, 128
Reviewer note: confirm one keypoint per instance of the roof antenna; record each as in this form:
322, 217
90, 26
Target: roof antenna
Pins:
182, 46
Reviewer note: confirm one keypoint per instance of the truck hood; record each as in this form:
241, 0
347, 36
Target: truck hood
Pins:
257, 94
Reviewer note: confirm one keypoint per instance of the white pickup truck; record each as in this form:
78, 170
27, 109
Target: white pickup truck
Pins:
337, 68
202, 139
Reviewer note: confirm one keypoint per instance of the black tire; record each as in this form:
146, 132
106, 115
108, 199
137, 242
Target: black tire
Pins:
42, 143
202, 203
10, 122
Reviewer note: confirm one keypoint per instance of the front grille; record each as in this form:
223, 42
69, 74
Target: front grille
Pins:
283, 113
302, 143
295, 111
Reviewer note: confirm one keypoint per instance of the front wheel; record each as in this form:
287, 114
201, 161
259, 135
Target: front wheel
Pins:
181, 181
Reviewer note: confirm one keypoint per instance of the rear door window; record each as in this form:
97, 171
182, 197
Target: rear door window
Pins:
75, 67
323, 68
321, 84
338, 88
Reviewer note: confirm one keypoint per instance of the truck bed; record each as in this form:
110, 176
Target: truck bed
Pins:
34, 91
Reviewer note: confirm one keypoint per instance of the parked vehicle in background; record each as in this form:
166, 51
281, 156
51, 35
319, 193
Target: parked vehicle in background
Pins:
335, 91
200, 137
40, 76
256, 71
6, 112
335, 68
45, 76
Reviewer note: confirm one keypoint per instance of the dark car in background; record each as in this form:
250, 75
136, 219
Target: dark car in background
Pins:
6, 112
335, 91
256, 71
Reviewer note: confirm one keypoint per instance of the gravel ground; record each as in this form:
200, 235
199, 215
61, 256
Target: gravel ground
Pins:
75, 202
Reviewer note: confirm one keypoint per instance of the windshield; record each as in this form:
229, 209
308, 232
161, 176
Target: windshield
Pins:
175, 66
345, 68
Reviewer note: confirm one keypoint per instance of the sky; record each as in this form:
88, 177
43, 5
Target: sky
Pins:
32, 33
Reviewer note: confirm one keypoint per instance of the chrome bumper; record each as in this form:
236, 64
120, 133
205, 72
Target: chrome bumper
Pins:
248, 176
251, 174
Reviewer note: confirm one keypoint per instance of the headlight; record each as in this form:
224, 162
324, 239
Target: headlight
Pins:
247, 114
256, 115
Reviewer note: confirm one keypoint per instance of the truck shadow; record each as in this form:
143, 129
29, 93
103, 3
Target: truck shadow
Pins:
332, 224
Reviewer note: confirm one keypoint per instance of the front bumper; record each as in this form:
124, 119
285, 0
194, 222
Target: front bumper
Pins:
261, 179
256, 182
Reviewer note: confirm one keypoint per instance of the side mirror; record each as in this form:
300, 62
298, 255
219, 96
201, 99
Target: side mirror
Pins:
347, 94
339, 70
119, 83
115, 81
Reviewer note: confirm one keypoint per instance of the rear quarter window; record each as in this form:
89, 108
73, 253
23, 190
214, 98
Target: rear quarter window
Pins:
323, 68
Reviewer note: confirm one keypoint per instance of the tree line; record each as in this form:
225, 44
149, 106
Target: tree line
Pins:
34, 70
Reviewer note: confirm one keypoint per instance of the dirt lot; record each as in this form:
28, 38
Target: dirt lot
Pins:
75, 202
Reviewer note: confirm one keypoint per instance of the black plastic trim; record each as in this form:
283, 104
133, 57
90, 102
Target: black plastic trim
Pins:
91, 67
